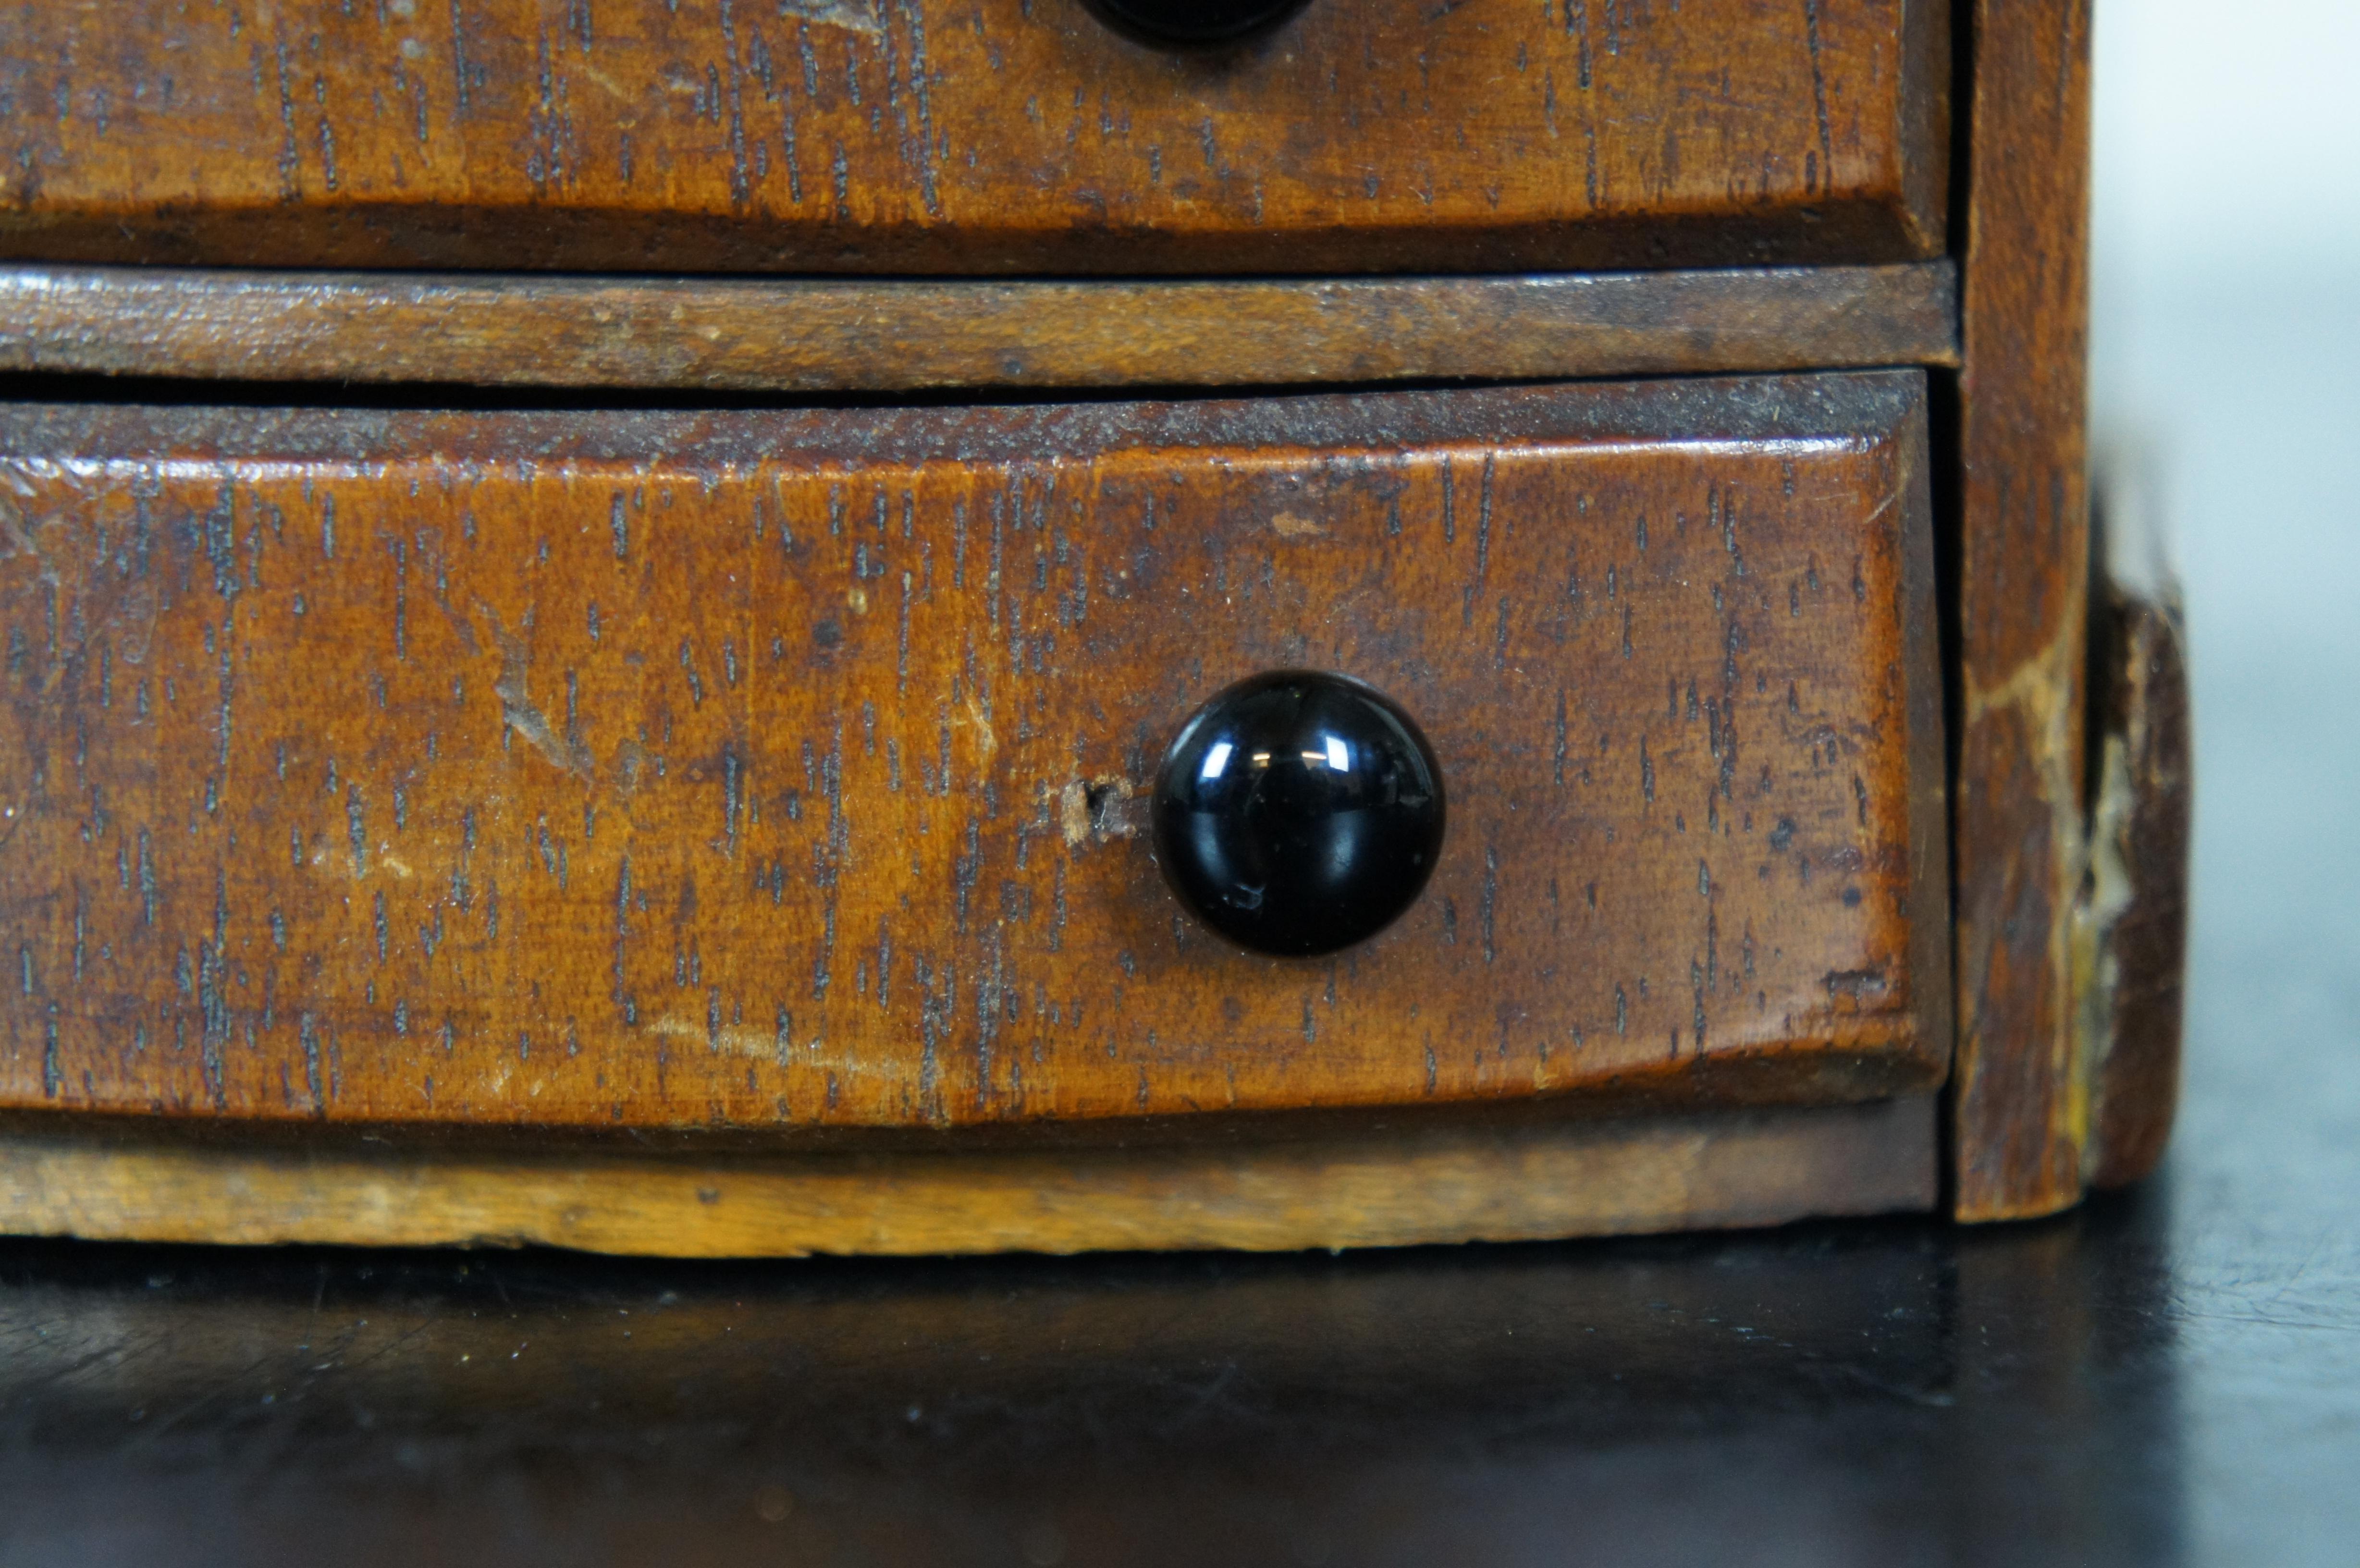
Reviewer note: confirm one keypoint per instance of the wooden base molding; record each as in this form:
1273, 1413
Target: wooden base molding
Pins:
1391, 1187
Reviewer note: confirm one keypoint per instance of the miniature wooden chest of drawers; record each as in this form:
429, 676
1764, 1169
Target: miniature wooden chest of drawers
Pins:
630, 810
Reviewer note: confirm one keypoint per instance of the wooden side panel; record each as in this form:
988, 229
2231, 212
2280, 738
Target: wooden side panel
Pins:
2135, 918
968, 136
1405, 1186
2022, 1096
770, 769
895, 334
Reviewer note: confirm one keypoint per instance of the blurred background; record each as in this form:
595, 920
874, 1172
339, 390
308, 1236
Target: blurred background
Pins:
2226, 360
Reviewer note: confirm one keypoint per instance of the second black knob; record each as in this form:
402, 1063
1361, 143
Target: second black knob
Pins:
1194, 23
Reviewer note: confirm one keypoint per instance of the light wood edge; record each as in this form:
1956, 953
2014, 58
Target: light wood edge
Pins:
2131, 926
1399, 1187
848, 335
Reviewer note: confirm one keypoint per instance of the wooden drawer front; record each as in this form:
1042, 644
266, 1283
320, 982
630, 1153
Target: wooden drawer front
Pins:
769, 769
977, 136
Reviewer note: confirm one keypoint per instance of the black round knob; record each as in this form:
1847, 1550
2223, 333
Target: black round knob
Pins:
1194, 23
1298, 812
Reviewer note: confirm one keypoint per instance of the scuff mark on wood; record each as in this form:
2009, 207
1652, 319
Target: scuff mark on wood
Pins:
517, 710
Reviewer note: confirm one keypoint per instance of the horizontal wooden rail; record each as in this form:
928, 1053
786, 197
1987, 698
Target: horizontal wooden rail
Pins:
807, 335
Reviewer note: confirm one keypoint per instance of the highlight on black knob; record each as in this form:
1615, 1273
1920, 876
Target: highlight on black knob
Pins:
1298, 812
1194, 24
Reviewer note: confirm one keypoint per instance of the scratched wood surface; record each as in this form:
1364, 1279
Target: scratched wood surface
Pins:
969, 135
893, 334
2023, 1093
757, 769
1399, 1186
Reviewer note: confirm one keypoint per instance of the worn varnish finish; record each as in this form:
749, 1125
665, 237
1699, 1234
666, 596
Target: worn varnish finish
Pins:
2023, 1089
834, 335
1408, 1184
772, 769
970, 136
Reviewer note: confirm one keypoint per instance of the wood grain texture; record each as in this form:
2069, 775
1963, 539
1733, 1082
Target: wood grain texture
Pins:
2136, 915
2022, 1088
1406, 1186
782, 770
969, 135
808, 336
